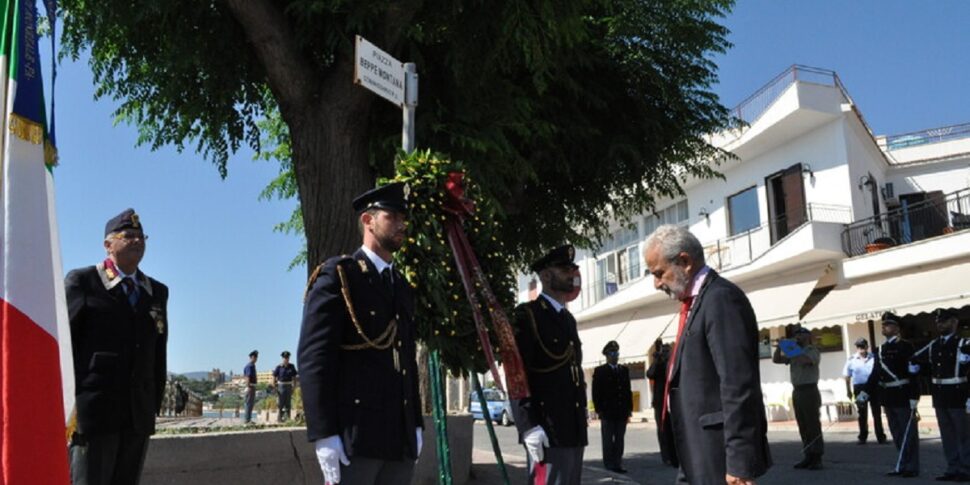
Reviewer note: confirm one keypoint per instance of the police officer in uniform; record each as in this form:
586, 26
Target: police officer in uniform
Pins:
944, 359
898, 394
358, 369
552, 420
613, 401
284, 378
119, 332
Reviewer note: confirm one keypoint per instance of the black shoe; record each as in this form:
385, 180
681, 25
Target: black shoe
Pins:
804, 463
619, 469
815, 465
882, 440
962, 477
860, 442
947, 477
908, 474
893, 473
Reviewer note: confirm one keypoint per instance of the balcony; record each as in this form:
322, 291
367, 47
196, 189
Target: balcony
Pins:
909, 223
813, 237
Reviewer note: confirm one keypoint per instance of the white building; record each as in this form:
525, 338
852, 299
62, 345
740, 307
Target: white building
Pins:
797, 223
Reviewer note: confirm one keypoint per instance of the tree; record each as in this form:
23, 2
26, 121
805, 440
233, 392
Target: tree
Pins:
570, 112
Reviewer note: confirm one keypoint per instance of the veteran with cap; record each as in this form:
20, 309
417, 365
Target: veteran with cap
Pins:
899, 394
358, 370
806, 399
119, 332
284, 378
613, 402
552, 421
946, 361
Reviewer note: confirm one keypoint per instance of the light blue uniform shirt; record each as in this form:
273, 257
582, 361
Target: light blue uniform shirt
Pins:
858, 368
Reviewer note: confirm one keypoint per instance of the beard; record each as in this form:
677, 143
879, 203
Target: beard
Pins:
676, 289
561, 285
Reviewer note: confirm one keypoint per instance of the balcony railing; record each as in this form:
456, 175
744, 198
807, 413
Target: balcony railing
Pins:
925, 137
726, 253
758, 103
745, 247
909, 223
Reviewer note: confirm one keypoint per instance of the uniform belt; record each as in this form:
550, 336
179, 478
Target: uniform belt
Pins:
950, 381
896, 383
286, 383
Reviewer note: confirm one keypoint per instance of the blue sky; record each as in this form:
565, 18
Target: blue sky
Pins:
904, 63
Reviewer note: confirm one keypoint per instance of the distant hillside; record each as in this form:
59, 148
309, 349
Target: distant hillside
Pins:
196, 376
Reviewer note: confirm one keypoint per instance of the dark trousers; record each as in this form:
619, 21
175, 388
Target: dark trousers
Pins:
864, 415
665, 439
906, 440
613, 432
285, 395
250, 402
955, 435
371, 471
806, 400
560, 466
107, 459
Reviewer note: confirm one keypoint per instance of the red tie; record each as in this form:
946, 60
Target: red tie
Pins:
684, 308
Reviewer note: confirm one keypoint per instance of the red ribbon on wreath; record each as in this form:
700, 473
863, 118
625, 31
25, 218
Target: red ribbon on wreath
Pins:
458, 207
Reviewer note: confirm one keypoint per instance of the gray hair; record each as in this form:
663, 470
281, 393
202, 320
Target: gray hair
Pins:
674, 240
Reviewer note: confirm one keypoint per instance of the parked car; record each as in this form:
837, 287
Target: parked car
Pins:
499, 408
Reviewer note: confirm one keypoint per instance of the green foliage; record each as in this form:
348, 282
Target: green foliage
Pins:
276, 143
569, 112
443, 315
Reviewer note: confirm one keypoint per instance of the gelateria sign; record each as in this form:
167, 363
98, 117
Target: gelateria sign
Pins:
873, 315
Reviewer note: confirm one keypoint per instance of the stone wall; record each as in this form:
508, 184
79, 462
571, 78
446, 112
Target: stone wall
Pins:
278, 457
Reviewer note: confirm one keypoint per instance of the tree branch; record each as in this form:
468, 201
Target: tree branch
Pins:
288, 72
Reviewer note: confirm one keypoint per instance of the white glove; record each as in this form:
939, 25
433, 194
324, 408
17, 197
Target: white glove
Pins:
964, 358
534, 440
863, 396
913, 403
330, 454
913, 368
420, 435
968, 406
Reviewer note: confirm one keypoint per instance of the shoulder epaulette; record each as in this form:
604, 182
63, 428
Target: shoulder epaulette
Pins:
316, 272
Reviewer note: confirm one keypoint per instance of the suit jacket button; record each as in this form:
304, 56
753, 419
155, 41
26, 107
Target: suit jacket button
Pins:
577, 405
356, 401
398, 343
372, 313
405, 402
404, 371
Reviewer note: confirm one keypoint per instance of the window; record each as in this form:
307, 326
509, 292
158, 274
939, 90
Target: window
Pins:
743, 211
673, 214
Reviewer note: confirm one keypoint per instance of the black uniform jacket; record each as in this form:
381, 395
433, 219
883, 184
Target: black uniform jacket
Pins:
939, 360
657, 372
119, 351
716, 405
891, 364
612, 396
368, 396
552, 353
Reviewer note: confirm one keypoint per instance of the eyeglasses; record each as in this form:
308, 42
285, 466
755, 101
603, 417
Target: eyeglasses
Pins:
130, 235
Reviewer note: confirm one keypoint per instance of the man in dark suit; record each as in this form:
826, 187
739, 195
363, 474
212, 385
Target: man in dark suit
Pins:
657, 373
552, 420
898, 394
714, 400
119, 331
613, 402
358, 369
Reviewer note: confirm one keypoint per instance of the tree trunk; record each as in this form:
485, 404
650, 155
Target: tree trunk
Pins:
330, 158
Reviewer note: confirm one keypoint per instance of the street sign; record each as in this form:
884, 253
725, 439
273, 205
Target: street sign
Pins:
377, 71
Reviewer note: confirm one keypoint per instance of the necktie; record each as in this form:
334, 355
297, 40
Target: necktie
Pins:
386, 278
131, 289
684, 308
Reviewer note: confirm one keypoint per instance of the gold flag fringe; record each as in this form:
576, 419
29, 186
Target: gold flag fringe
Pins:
33, 132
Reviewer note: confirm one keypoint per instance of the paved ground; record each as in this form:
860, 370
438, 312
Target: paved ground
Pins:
845, 461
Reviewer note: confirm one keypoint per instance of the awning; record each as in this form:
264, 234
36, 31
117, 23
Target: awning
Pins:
635, 333
904, 293
776, 301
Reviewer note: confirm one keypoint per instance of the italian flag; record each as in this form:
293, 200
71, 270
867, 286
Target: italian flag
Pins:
36, 367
